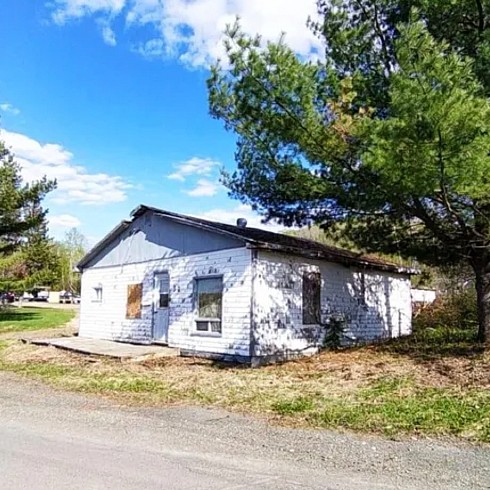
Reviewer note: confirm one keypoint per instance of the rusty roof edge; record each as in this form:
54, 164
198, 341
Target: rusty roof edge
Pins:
338, 259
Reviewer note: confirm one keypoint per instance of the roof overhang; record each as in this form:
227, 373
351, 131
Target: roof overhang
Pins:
334, 255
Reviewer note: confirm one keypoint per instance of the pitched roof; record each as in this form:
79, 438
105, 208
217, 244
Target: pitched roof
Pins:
260, 239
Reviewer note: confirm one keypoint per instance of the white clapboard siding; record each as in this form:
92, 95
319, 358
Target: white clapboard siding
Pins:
376, 306
107, 319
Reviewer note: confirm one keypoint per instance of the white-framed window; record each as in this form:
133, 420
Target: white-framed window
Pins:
209, 304
97, 293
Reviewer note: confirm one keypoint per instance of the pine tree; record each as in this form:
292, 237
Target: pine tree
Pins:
386, 139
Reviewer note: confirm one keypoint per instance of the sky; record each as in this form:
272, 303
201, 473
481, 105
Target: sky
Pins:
109, 97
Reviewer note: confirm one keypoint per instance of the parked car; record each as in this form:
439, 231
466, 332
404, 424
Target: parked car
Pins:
42, 296
27, 296
65, 297
68, 297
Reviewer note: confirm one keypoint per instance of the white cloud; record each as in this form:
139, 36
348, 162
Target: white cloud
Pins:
230, 216
108, 35
75, 183
63, 221
154, 48
204, 188
192, 167
192, 30
6, 107
64, 10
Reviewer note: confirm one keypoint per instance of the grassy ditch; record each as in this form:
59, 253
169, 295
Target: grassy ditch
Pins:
402, 388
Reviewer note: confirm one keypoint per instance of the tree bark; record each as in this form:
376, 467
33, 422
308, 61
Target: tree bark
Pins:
482, 272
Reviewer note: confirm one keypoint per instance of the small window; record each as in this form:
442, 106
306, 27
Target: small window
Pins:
163, 298
97, 293
135, 296
209, 302
161, 286
312, 283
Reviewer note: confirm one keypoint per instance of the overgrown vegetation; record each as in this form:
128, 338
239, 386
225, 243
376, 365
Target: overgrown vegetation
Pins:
451, 312
435, 383
23, 319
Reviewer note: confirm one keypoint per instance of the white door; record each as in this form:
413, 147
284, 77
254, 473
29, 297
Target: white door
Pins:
161, 284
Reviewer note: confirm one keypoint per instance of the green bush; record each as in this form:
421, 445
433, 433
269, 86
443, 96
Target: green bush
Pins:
453, 311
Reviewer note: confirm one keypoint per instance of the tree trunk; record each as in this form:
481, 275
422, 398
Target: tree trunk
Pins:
482, 271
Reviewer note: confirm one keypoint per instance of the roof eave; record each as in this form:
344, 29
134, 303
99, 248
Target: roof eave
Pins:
338, 259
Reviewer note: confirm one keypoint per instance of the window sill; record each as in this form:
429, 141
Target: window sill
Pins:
198, 333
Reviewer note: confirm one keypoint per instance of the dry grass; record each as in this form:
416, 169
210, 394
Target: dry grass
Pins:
373, 388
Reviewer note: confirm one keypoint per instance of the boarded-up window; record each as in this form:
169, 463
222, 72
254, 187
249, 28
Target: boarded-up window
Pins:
135, 295
312, 283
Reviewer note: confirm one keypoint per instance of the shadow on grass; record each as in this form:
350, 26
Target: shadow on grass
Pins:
435, 343
18, 316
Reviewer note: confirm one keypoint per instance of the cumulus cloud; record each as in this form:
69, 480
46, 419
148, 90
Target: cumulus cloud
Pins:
192, 30
63, 221
230, 216
193, 167
9, 108
75, 183
204, 188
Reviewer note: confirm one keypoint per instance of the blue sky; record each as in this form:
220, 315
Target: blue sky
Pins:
109, 97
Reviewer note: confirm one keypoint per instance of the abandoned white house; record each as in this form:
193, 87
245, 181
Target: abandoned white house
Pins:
233, 292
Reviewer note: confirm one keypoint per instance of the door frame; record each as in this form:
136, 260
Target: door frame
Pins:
154, 302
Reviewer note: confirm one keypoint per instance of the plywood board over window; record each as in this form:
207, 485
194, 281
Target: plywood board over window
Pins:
312, 284
135, 297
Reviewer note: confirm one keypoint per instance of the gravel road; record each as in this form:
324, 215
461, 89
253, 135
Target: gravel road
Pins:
52, 440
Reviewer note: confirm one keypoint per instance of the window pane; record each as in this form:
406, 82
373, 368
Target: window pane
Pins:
163, 301
215, 327
202, 326
209, 305
163, 283
210, 285
311, 298
209, 297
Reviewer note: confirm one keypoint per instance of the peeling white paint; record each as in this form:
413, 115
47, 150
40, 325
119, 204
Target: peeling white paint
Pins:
375, 305
262, 302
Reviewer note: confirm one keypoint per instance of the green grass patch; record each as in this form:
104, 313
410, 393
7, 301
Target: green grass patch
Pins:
122, 384
24, 319
296, 405
396, 406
